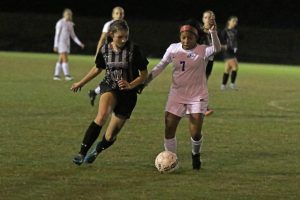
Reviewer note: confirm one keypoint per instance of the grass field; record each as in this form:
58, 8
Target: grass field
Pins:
251, 149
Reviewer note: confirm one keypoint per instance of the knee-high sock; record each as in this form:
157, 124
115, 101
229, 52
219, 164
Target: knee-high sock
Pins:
65, 67
57, 69
97, 90
233, 76
90, 137
104, 144
170, 144
196, 146
225, 78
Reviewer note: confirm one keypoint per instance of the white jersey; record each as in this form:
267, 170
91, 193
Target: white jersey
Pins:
64, 30
107, 25
189, 82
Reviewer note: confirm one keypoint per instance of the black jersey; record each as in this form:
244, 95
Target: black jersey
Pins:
205, 37
229, 37
124, 64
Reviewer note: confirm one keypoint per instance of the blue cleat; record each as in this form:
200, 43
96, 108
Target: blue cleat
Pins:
78, 159
91, 157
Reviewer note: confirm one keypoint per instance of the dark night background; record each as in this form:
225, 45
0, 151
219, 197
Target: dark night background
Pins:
270, 29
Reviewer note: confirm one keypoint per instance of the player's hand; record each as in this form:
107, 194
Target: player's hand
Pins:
55, 49
124, 85
82, 46
213, 24
76, 87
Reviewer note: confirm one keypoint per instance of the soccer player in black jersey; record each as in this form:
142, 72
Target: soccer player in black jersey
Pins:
206, 39
229, 37
125, 69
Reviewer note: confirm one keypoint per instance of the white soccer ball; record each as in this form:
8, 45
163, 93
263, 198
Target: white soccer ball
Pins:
166, 161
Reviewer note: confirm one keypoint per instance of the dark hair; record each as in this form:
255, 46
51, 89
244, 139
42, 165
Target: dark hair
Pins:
194, 23
230, 18
118, 25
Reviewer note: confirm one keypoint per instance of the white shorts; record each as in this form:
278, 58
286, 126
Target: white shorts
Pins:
182, 109
63, 48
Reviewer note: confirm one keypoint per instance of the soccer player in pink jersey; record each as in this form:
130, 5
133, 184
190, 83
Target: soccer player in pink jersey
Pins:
188, 93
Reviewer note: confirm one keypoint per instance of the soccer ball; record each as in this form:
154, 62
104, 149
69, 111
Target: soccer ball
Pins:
166, 161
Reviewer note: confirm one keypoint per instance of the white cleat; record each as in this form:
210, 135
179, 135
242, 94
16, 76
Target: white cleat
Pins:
56, 78
68, 78
233, 86
223, 87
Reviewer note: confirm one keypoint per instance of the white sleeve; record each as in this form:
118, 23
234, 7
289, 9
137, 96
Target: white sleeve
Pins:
216, 45
74, 37
106, 27
58, 29
160, 66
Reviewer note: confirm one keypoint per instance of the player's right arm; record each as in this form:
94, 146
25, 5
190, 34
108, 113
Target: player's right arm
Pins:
103, 37
58, 29
160, 66
96, 70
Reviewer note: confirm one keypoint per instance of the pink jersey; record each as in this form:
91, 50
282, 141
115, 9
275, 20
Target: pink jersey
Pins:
189, 82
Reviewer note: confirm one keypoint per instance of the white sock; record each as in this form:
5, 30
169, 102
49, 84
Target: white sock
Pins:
171, 144
57, 69
97, 90
65, 68
196, 146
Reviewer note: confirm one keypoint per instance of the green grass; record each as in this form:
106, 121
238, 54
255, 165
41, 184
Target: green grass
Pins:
251, 149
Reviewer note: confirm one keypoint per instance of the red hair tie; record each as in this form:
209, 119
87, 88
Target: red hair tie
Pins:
188, 28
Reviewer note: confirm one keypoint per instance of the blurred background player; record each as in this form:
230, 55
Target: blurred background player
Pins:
118, 13
229, 37
188, 93
206, 39
64, 29
123, 73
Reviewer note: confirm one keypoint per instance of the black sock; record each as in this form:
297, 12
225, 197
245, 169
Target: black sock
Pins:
90, 137
233, 76
225, 78
104, 144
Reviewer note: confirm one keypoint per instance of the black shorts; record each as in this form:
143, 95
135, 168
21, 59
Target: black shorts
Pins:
229, 54
126, 100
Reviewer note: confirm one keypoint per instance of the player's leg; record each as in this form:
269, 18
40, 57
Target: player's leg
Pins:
115, 125
65, 66
107, 103
225, 75
93, 94
58, 68
171, 123
208, 71
234, 66
195, 126
125, 104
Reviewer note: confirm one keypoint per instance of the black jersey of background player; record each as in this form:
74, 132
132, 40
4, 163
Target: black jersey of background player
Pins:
229, 37
205, 37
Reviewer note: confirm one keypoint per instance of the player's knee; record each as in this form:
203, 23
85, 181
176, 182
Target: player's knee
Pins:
101, 117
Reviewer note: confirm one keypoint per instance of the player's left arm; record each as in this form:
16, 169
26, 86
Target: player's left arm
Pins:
124, 85
216, 45
75, 38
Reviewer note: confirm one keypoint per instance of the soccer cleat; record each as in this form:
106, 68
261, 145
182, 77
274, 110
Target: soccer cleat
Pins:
223, 87
92, 95
233, 86
91, 157
56, 78
78, 159
209, 112
196, 161
68, 78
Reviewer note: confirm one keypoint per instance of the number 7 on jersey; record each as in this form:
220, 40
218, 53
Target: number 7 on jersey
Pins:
183, 65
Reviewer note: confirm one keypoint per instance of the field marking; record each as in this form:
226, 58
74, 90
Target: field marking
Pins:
275, 104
